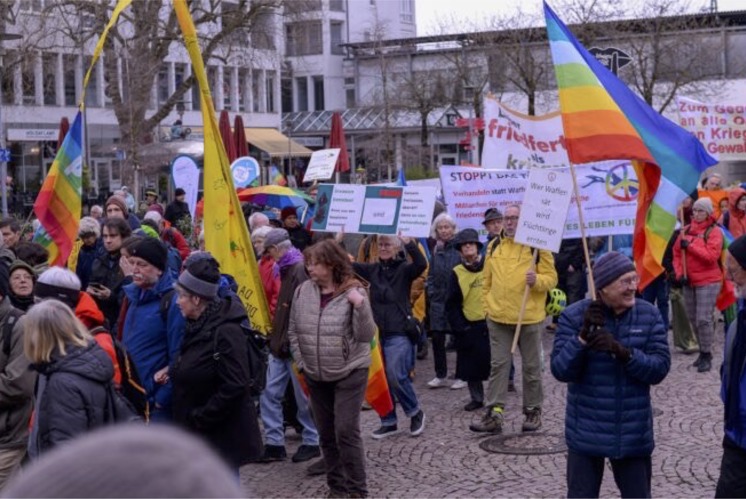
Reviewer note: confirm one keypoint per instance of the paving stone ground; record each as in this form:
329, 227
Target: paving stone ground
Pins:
446, 460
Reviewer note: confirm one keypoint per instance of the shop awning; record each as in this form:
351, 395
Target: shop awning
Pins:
275, 143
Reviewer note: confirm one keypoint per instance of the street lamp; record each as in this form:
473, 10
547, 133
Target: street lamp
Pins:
3, 163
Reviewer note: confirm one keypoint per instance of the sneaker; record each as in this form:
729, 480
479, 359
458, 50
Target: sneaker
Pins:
306, 453
437, 383
317, 467
417, 426
473, 406
273, 453
385, 431
697, 362
705, 364
459, 384
511, 386
533, 419
492, 422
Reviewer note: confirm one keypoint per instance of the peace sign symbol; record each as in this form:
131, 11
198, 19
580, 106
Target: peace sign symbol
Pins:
620, 185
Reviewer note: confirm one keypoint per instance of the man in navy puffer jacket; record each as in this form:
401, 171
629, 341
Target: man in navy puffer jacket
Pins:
609, 352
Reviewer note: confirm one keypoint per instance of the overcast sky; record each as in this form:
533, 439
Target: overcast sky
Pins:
430, 11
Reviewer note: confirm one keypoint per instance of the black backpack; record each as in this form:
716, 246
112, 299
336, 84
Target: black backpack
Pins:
258, 354
131, 387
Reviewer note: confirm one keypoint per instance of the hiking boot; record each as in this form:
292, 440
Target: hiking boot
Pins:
473, 406
705, 364
533, 419
437, 383
385, 431
417, 426
273, 453
492, 422
697, 362
317, 467
306, 453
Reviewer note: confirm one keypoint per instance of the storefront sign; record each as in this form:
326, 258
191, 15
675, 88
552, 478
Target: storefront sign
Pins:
32, 134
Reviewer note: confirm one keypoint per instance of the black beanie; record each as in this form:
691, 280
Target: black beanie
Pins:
201, 278
738, 250
152, 251
4, 280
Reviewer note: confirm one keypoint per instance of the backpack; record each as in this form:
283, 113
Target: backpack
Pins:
258, 355
118, 408
131, 388
10, 323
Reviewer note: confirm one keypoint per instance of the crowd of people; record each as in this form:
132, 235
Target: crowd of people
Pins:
142, 320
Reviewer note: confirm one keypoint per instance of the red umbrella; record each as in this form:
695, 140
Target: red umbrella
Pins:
239, 137
64, 127
227, 135
337, 140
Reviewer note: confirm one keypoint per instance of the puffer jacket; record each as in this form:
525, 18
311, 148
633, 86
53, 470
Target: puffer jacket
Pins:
89, 314
702, 256
16, 385
608, 411
328, 344
71, 396
505, 281
438, 281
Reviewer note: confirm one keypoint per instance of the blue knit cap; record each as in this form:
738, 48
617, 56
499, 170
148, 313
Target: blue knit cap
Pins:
610, 267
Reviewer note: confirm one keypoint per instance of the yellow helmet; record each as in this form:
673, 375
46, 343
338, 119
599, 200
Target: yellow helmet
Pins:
556, 302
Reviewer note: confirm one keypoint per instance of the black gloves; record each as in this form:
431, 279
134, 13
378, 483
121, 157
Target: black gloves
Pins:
594, 318
684, 244
603, 341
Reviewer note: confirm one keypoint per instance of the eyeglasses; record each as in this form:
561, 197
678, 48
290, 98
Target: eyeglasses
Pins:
630, 281
510, 219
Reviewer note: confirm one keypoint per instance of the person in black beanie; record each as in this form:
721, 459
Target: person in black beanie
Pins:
153, 325
600, 346
211, 373
732, 480
177, 211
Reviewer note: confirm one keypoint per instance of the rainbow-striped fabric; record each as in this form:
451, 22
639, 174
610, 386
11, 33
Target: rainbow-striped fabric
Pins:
603, 119
58, 204
377, 394
276, 177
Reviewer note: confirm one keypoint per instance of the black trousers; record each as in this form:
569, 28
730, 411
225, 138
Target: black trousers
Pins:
585, 473
732, 481
439, 353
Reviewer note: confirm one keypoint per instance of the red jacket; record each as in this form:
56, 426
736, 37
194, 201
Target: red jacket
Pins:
270, 281
736, 218
172, 236
92, 317
702, 257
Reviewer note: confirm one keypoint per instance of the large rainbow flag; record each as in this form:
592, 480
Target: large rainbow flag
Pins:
377, 393
58, 204
603, 119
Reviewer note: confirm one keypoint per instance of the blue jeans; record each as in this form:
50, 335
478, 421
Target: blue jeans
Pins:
398, 356
657, 293
278, 373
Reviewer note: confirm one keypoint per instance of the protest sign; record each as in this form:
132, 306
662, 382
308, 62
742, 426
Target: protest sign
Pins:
720, 127
608, 193
321, 165
544, 208
374, 209
185, 173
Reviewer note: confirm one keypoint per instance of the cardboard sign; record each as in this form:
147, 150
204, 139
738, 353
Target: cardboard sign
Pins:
321, 166
544, 208
374, 209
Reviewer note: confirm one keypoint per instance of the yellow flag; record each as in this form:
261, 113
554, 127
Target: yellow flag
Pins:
226, 233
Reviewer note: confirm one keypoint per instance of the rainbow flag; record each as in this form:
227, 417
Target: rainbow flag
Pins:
377, 394
603, 119
58, 204
276, 177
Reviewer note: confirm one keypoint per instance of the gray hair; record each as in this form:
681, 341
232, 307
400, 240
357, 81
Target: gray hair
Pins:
256, 218
284, 245
260, 232
443, 217
89, 226
393, 239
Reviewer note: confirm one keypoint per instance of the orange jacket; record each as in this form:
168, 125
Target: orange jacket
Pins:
92, 317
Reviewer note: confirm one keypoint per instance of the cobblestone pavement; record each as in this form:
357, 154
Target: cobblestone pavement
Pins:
446, 460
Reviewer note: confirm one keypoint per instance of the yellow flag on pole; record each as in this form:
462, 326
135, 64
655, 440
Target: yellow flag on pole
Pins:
226, 233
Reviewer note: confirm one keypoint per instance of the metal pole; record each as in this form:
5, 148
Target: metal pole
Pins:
3, 164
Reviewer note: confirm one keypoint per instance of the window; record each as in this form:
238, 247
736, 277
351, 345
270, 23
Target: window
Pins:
109, 87
69, 63
302, 86
336, 30
91, 93
196, 97
262, 32
162, 85
227, 88
350, 97
303, 38
49, 70
318, 93
406, 13
349, 81
270, 91
256, 87
243, 79
337, 5
7, 77
212, 80
286, 95
28, 80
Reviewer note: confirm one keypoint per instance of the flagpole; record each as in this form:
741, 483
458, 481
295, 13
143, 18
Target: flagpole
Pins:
521, 313
591, 285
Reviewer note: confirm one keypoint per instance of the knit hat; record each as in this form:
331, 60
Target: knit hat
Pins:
20, 264
117, 200
275, 237
4, 280
59, 283
151, 192
89, 226
179, 192
703, 204
467, 236
492, 214
610, 267
152, 251
156, 207
288, 211
153, 215
201, 278
738, 250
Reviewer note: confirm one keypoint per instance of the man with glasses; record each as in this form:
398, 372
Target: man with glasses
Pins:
609, 352
507, 271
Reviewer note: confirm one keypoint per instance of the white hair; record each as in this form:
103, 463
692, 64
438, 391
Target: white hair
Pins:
60, 277
260, 232
154, 216
257, 218
443, 217
88, 226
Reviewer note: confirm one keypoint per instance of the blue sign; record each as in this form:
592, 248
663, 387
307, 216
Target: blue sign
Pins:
5, 155
245, 172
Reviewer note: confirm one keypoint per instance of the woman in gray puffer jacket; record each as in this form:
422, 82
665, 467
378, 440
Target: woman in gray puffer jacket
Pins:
331, 326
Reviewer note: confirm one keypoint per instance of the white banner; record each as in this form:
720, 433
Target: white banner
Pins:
321, 165
186, 175
544, 208
720, 127
374, 209
608, 194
